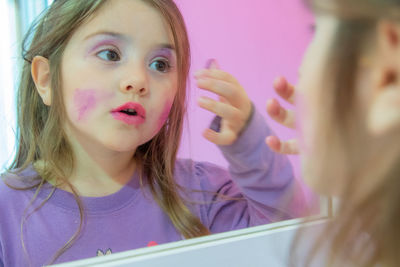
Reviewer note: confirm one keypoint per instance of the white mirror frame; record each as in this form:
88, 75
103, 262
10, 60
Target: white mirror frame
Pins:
266, 245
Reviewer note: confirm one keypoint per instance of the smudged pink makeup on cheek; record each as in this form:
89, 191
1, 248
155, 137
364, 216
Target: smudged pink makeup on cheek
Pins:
84, 101
164, 115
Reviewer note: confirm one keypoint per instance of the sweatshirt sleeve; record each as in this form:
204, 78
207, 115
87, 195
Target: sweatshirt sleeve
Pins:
259, 188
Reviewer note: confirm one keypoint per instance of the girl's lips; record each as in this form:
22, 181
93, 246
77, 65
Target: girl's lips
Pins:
128, 119
132, 105
138, 116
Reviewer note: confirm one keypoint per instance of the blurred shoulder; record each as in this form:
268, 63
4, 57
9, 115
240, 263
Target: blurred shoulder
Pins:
15, 182
200, 175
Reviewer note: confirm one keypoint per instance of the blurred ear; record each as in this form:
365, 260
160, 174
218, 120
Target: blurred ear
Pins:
40, 70
384, 109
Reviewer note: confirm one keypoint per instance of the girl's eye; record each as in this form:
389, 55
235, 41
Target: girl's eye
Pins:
160, 65
109, 55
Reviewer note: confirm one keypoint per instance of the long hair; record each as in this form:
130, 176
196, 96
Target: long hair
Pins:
364, 232
41, 137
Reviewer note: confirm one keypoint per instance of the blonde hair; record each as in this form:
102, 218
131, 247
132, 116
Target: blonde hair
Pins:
365, 230
41, 137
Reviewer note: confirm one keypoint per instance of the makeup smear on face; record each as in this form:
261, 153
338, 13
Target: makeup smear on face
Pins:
164, 115
84, 101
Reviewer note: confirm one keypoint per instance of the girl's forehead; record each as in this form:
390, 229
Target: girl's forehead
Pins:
132, 19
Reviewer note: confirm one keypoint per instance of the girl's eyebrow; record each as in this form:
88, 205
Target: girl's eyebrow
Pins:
126, 38
108, 33
165, 47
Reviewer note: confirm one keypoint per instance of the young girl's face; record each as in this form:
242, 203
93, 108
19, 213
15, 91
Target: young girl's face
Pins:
371, 108
311, 88
119, 77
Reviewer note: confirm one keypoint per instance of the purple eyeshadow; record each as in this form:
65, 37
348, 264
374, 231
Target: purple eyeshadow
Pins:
106, 42
165, 52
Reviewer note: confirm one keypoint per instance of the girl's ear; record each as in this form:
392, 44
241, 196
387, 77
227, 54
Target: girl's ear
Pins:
384, 108
40, 70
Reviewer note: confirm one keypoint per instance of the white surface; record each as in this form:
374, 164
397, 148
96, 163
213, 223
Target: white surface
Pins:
267, 245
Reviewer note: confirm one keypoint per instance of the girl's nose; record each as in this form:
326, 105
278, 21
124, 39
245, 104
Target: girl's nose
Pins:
134, 89
134, 82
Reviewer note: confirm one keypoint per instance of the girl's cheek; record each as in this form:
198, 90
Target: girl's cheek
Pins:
86, 100
305, 110
164, 115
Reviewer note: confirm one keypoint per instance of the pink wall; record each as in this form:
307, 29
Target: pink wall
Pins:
255, 40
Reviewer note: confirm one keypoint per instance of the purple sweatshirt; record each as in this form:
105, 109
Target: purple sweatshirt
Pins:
130, 218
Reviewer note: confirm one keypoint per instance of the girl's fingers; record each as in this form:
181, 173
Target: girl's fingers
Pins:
216, 74
229, 113
279, 114
225, 89
284, 89
233, 108
225, 137
289, 147
274, 143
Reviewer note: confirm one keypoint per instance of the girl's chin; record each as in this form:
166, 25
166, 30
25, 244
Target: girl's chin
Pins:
121, 148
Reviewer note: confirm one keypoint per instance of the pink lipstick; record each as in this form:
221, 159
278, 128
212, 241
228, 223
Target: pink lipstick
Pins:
130, 113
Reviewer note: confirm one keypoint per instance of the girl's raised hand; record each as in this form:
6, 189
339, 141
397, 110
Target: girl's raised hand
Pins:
233, 108
283, 116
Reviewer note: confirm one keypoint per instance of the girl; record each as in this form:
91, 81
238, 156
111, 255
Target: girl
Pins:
350, 83
100, 111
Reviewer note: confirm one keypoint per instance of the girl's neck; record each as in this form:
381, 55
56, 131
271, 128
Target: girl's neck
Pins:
98, 176
99, 171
